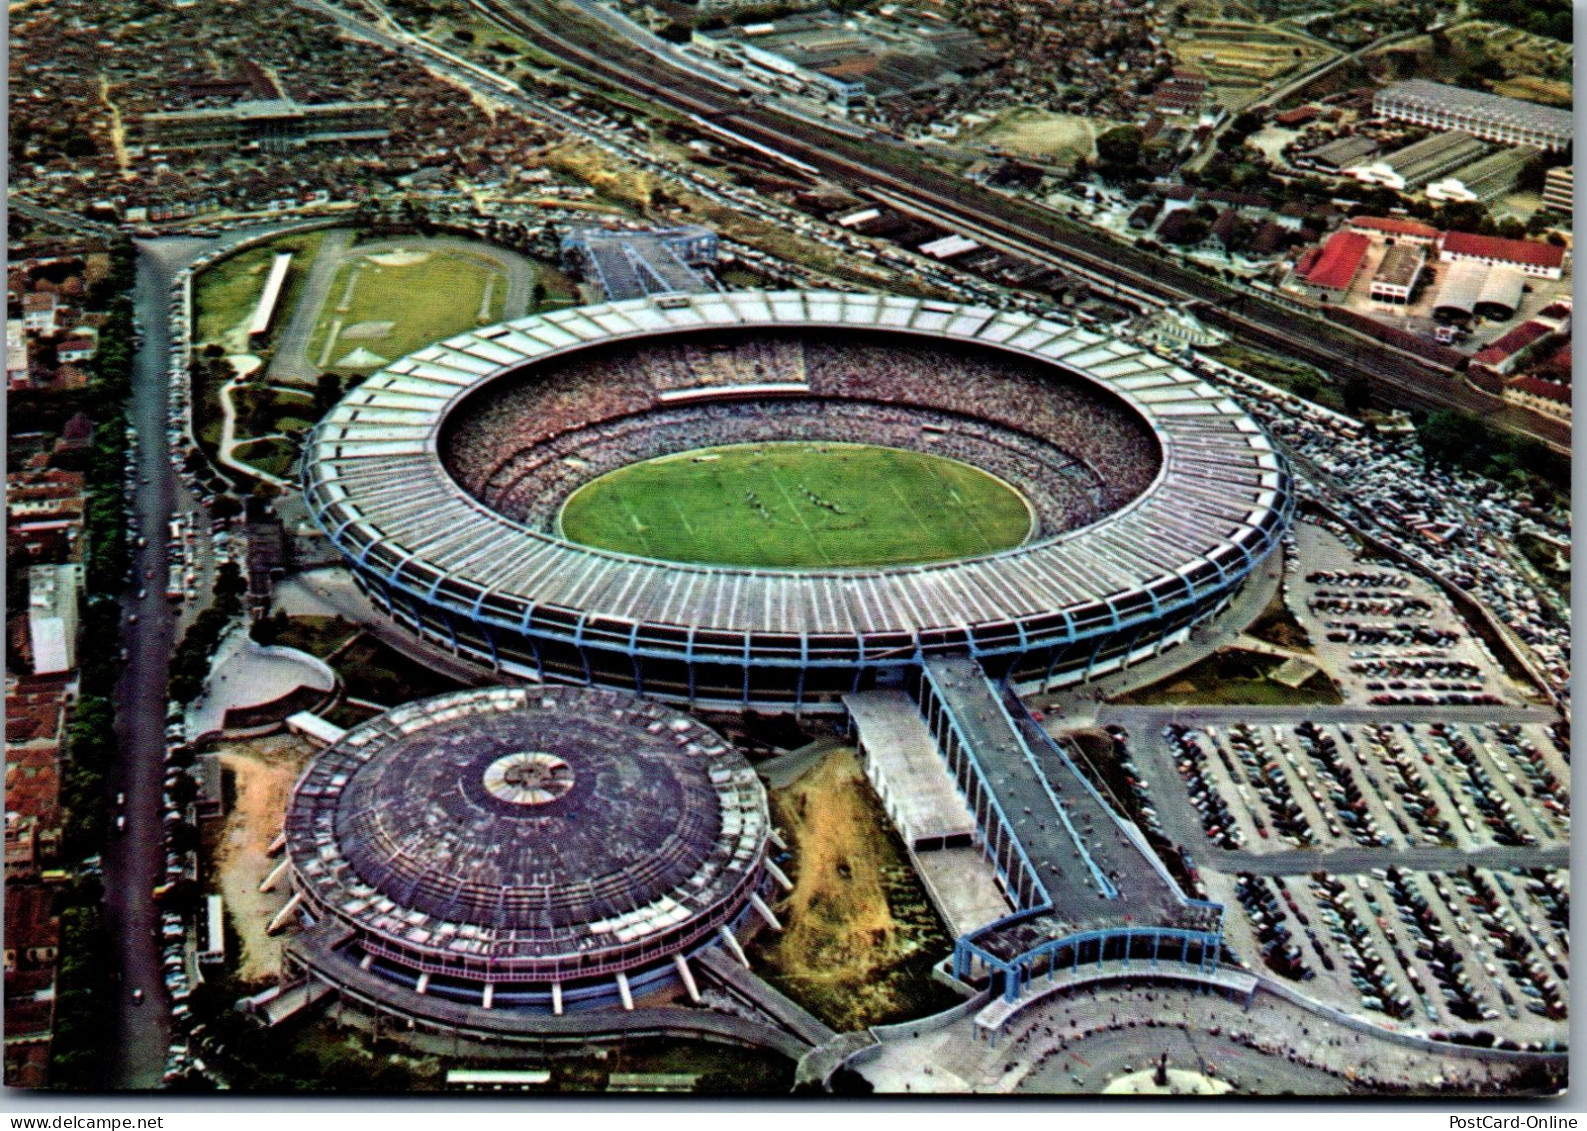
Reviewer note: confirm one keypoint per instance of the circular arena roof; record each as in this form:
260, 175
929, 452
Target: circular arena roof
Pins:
515, 825
376, 484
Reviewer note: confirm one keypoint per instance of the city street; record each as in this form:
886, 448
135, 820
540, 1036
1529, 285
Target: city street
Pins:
132, 870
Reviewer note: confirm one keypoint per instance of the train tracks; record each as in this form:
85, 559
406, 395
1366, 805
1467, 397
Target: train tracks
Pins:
871, 164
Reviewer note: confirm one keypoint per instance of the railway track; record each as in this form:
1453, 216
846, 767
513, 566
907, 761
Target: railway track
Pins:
1394, 375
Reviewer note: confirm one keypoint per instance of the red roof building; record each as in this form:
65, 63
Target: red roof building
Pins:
1296, 117
1335, 268
1556, 392
1394, 228
1544, 260
1504, 354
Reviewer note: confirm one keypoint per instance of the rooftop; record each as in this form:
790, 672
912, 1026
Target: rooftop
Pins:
490, 822
1478, 105
1340, 260
1531, 252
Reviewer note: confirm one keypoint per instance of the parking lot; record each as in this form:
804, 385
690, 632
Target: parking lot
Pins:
1385, 635
1475, 949
1270, 787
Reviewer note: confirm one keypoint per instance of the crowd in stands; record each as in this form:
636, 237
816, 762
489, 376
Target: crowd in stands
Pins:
527, 443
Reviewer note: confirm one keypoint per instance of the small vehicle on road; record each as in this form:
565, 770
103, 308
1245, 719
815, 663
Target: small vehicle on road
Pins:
137, 997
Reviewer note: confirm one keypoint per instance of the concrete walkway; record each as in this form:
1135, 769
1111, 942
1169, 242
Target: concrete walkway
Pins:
245, 675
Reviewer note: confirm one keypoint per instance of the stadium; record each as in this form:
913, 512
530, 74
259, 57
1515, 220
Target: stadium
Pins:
1142, 497
504, 848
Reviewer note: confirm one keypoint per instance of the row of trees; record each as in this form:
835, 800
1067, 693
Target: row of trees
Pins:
190, 662
83, 1045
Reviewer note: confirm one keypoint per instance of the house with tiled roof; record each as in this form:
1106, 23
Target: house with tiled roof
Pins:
1534, 257
1327, 275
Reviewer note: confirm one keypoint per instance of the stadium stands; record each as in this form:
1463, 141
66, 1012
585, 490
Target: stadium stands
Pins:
1201, 498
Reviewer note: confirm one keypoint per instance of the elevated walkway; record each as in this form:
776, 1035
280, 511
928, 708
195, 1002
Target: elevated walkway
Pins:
337, 970
755, 992
1085, 885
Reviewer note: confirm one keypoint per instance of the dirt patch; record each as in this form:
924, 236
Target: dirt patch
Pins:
263, 771
399, 258
860, 935
1044, 134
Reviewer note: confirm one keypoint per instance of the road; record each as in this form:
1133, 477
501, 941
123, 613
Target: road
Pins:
138, 862
1148, 719
291, 361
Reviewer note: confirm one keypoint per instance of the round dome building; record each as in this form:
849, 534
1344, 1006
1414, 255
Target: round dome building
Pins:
510, 846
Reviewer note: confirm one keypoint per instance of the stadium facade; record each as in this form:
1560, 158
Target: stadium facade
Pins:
511, 847
496, 589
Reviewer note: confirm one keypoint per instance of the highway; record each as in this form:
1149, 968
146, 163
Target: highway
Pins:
878, 163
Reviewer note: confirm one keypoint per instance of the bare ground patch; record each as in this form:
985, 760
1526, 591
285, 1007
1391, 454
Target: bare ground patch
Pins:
263, 771
860, 935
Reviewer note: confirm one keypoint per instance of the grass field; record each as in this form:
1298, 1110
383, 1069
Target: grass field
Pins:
798, 505
860, 936
225, 295
1233, 677
375, 305
1042, 133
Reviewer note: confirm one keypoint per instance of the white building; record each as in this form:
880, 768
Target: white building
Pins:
1491, 117
52, 616
1559, 189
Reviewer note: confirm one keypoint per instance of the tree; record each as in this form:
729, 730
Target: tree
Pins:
1357, 393
1447, 438
327, 391
1120, 146
537, 295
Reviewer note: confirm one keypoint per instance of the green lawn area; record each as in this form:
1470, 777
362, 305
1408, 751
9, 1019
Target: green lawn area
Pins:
225, 294
798, 505
378, 673
316, 635
1233, 677
272, 456
424, 301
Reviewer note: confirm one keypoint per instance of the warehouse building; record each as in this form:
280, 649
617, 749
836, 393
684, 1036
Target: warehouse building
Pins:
1508, 121
1326, 273
1457, 296
1397, 275
1500, 295
1540, 260
1392, 229
1483, 180
1413, 166
1338, 155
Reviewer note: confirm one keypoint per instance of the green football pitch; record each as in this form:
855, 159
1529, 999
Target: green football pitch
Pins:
798, 505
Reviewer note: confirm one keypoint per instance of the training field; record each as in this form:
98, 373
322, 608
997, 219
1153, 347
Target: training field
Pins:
798, 505
384, 305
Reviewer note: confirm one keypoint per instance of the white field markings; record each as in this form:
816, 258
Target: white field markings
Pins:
899, 495
814, 541
484, 300
330, 343
347, 294
639, 527
968, 512
683, 518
